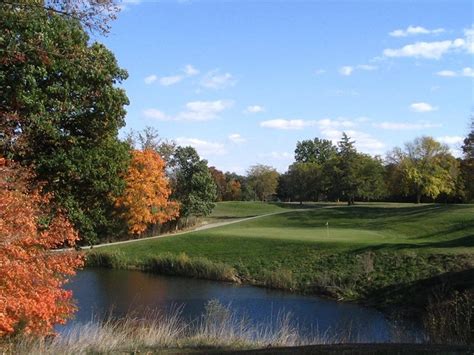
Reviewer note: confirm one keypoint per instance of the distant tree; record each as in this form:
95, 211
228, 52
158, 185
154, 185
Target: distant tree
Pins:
263, 180
32, 298
193, 185
145, 200
61, 108
467, 164
427, 168
233, 191
370, 177
347, 168
304, 181
220, 181
314, 151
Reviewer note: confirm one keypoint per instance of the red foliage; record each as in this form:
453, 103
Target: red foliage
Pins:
32, 299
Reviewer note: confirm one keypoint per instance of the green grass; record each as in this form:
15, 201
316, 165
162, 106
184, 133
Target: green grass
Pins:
367, 248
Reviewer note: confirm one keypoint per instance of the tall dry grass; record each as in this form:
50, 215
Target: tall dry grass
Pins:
218, 327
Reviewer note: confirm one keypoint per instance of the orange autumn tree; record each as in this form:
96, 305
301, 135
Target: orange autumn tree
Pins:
32, 299
145, 200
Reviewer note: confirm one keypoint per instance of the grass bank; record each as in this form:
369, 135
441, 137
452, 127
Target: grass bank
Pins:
374, 252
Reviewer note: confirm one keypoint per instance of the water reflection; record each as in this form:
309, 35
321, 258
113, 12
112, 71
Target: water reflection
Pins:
100, 291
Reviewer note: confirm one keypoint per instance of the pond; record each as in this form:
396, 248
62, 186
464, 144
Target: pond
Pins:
101, 292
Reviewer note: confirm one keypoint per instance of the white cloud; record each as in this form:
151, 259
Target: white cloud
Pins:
454, 143
422, 107
363, 141
216, 80
254, 109
346, 70
415, 30
150, 79
281, 123
427, 50
446, 73
236, 138
468, 72
296, 124
451, 140
469, 34
171, 80
195, 111
203, 147
155, 114
367, 67
189, 70
402, 126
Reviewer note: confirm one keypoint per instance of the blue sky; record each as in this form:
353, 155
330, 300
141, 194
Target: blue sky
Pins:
243, 81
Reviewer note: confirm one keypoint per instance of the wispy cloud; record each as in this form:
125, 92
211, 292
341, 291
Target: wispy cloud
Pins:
426, 50
405, 126
319, 71
254, 109
415, 30
217, 80
422, 107
467, 72
346, 70
186, 72
454, 143
204, 148
150, 79
349, 70
296, 124
195, 111
236, 138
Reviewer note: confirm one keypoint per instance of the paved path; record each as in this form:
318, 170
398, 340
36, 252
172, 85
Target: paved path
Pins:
200, 228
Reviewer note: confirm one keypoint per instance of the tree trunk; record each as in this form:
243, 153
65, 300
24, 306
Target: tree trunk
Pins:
418, 197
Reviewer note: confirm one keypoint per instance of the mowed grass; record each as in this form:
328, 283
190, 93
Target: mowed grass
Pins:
362, 247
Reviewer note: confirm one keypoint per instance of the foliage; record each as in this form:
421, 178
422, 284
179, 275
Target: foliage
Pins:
314, 151
193, 185
32, 299
220, 181
426, 168
304, 181
149, 138
145, 200
60, 111
264, 180
467, 165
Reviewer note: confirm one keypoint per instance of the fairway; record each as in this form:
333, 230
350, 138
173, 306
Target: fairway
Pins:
327, 244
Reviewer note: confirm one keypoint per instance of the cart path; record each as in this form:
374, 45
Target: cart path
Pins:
200, 228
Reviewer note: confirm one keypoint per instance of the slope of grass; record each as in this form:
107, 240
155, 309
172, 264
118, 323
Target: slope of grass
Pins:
364, 249
243, 209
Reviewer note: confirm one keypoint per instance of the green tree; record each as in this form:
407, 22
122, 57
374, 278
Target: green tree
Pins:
193, 185
60, 112
263, 180
370, 177
304, 182
347, 169
314, 151
427, 168
467, 164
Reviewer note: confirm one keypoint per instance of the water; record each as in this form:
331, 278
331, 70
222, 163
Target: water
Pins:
101, 291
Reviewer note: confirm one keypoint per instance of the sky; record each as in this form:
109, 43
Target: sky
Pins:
243, 81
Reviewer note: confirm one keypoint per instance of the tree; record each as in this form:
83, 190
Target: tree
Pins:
145, 200
467, 164
264, 180
61, 109
370, 177
314, 151
233, 191
32, 299
193, 185
149, 138
220, 181
427, 168
347, 168
304, 181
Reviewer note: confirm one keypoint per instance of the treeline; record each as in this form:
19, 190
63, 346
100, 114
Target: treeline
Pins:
424, 170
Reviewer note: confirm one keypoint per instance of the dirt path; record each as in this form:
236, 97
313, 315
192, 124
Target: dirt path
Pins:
200, 228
